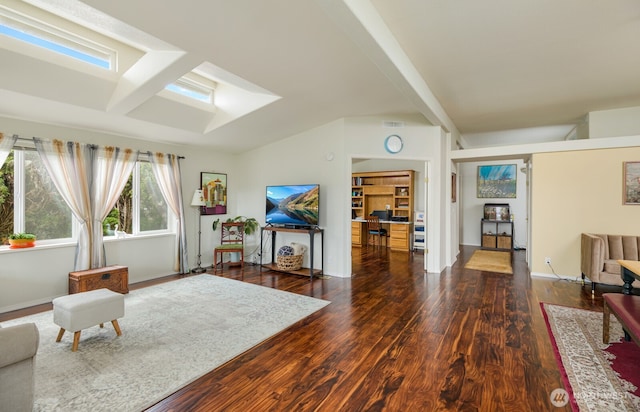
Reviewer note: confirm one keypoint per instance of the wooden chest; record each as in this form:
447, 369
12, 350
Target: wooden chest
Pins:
115, 278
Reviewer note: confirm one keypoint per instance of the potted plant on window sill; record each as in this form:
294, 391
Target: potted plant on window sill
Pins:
22, 240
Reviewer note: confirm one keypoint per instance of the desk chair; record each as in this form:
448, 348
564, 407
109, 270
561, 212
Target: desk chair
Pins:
374, 228
231, 240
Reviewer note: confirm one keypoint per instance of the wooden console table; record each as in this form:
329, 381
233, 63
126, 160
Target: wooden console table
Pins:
311, 231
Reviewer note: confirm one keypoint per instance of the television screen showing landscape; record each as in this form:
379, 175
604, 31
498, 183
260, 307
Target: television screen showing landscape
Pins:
292, 205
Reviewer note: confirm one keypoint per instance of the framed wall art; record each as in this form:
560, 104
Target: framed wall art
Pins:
214, 191
497, 181
631, 181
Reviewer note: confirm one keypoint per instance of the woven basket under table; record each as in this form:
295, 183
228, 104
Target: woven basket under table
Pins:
289, 262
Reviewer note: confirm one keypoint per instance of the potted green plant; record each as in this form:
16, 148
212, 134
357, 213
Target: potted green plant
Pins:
251, 225
22, 240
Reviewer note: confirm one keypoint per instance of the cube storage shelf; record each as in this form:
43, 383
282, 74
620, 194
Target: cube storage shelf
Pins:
497, 227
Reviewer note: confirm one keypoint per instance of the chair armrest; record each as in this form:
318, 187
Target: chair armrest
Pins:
18, 343
591, 255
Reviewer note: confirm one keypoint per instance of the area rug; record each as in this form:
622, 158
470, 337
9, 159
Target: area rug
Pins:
172, 334
490, 261
597, 377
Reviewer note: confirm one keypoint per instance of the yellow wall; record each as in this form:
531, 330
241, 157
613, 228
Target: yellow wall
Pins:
575, 192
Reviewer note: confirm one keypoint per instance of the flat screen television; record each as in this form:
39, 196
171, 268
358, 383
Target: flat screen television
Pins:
293, 205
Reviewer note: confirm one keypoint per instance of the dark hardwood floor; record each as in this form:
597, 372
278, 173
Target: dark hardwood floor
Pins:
395, 338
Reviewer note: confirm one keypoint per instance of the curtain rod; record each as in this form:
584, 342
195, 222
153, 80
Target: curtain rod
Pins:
31, 148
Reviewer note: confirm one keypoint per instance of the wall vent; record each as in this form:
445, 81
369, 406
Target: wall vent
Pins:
392, 123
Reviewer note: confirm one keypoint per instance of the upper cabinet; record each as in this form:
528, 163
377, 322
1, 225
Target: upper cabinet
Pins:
392, 190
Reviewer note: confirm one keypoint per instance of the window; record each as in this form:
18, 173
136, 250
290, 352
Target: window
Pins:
193, 89
45, 212
153, 209
149, 214
43, 35
29, 202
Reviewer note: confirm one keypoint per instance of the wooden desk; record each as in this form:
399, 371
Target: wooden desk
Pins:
630, 271
399, 233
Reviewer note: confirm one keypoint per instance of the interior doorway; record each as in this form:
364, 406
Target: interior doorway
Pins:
421, 167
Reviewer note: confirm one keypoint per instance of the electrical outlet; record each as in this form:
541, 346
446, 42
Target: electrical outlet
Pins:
547, 260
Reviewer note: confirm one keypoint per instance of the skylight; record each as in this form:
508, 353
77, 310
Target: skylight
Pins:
192, 90
42, 35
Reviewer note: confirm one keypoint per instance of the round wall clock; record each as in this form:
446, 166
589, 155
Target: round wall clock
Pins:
393, 144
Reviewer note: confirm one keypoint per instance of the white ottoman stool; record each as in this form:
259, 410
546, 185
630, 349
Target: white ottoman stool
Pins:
83, 310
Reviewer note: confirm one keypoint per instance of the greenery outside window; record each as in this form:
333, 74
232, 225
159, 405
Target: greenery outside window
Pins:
29, 202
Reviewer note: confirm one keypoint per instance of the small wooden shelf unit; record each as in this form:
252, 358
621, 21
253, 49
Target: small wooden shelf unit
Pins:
497, 227
311, 231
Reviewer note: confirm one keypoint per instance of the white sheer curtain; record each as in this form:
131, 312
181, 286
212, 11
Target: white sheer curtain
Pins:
6, 143
70, 168
90, 180
111, 171
166, 169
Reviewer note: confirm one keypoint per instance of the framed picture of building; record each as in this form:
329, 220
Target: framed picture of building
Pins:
214, 191
497, 181
631, 182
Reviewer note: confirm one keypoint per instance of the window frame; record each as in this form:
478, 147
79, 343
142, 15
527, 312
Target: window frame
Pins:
19, 207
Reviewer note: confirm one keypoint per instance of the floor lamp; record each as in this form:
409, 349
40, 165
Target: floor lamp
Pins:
198, 201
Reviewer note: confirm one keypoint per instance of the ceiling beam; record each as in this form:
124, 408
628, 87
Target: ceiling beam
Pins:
363, 24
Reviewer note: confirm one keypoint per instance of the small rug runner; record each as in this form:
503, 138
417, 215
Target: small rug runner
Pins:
172, 333
597, 377
490, 261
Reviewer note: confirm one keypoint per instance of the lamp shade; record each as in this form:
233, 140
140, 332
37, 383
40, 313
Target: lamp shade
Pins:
198, 198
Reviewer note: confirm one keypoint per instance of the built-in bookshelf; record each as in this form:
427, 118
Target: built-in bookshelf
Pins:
390, 190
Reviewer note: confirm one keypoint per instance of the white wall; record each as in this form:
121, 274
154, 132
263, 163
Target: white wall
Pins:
303, 159
364, 139
300, 159
613, 123
472, 207
37, 275
322, 155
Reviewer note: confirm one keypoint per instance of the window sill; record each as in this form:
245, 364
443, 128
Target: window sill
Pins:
108, 239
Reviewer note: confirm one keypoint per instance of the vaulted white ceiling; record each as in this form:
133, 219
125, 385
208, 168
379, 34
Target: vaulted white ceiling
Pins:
285, 66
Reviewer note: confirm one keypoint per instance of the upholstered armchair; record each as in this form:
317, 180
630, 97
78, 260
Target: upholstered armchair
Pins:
18, 347
599, 255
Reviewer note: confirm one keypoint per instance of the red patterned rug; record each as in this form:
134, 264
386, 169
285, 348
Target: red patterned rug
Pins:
597, 377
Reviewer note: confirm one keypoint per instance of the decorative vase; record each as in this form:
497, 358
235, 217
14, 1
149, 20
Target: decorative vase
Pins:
21, 243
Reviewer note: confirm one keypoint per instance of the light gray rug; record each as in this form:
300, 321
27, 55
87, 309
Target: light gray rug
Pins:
172, 334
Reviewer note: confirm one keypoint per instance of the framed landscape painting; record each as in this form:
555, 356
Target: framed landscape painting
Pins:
631, 183
497, 181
